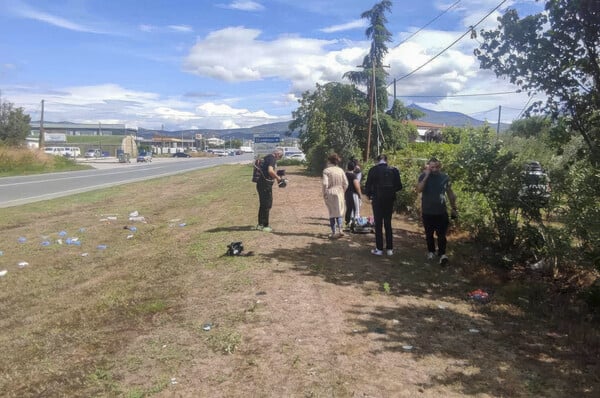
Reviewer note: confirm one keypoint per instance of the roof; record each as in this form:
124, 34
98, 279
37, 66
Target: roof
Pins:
422, 124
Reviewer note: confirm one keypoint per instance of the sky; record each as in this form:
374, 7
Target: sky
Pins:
194, 64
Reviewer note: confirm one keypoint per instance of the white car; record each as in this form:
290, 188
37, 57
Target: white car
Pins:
297, 156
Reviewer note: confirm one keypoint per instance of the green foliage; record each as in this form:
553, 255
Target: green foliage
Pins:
554, 52
330, 119
373, 62
399, 112
14, 125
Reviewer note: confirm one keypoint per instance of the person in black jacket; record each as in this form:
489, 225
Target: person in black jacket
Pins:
264, 186
383, 182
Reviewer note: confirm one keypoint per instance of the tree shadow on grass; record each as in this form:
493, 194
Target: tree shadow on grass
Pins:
491, 350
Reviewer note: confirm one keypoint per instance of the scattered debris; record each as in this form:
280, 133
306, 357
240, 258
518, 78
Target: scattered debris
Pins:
407, 347
131, 228
62, 233
101, 247
207, 326
134, 213
173, 380
473, 330
22, 239
3, 272
235, 249
84, 254
23, 264
479, 296
46, 243
130, 236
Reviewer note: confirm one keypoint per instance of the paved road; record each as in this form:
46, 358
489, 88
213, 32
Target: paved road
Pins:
15, 191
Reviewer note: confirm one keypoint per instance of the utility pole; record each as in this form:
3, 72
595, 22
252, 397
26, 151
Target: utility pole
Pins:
370, 114
498, 125
41, 138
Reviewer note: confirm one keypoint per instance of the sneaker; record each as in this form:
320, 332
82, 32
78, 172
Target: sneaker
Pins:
430, 256
389, 252
267, 229
258, 227
443, 260
377, 252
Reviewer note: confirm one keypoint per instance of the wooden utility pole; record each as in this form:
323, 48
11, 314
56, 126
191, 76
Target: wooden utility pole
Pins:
499, 113
370, 115
41, 138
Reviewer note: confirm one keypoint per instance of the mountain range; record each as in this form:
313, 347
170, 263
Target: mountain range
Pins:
455, 119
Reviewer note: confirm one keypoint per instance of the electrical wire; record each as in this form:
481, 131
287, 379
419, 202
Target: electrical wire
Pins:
427, 24
458, 95
471, 28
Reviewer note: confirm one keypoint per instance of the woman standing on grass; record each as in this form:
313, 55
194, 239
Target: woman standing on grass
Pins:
334, 188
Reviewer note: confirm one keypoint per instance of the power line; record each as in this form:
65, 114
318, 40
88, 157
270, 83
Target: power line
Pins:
471, 29
426, 25
458, 95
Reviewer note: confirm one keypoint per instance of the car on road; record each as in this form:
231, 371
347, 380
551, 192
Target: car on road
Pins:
181, 155
144, 157
93, 153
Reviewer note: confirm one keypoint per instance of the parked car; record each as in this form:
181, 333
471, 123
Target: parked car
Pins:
93, 153
144, 157
181, 155
297, 156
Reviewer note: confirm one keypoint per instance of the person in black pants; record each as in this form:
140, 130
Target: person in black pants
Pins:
435, 186
383, 182
264, 187
352, 194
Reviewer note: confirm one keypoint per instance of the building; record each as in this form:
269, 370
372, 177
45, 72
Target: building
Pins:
74, 129
427, 131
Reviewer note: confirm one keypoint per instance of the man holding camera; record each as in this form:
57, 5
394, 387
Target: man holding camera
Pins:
435, 186
264, 187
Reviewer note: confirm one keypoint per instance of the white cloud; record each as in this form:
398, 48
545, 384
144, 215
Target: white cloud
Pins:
111, 103
181, 28
25, 11
244, 6
236, 54
356, 24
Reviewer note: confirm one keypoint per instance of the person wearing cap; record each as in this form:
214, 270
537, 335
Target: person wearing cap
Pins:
264, 187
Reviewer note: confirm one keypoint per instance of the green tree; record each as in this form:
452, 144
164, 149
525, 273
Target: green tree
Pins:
331, 118
555, 52
400, 112
373, 62
14, 125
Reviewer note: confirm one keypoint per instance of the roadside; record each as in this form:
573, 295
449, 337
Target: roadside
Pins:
161, 311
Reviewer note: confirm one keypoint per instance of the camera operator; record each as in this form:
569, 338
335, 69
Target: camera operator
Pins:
264, 187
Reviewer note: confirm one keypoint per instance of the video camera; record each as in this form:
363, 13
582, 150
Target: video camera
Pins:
283, 182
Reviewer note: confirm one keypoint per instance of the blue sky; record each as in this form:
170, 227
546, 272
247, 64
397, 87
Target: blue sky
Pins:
186, 64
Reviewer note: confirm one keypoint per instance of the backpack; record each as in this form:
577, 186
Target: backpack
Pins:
388, 183
257, 171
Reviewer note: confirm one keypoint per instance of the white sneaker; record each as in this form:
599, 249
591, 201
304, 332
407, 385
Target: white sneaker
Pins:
389, 252
443, 260
377, 252
430, 256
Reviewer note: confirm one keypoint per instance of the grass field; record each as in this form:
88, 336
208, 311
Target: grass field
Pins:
109, 307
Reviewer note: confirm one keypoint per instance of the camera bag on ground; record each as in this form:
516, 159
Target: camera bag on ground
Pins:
362, 225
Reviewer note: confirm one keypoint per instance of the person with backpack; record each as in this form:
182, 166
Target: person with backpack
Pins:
435, 186
383, 181
265, 177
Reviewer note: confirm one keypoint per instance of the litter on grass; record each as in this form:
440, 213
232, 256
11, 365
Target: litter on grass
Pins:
407, 347
3, 272
23, 264
479, 296
207, 326
22, 239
